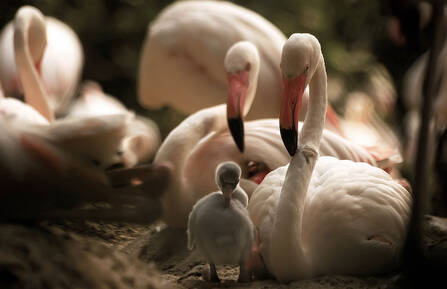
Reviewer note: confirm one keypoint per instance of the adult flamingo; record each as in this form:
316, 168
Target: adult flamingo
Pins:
106, 139
202, 141
185, 46
28, 49
413, 82
142, 136
315, 211
53, 62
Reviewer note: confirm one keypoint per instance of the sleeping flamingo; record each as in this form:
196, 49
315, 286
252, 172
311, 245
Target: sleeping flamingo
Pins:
55, 57
219, 226
316, 211
142, 137
29, 48
202, 141
185, 46
97, 140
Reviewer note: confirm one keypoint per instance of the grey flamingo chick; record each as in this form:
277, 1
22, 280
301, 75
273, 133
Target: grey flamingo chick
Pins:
219, 226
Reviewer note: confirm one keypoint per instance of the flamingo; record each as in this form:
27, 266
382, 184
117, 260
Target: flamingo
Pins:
28, 48
219, 226
362, 125
186, 45
316, 211
142, 137
94, 139
53, 63
202, 141
32, 167
413, 82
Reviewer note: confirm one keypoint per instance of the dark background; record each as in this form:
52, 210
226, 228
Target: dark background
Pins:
354, 37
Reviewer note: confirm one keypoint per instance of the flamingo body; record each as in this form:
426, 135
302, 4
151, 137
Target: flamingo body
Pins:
14, 109
182, 58
317, 211
352, 212
141, 138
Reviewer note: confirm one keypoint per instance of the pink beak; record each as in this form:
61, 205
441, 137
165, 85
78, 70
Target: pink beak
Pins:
237, 93
293, 90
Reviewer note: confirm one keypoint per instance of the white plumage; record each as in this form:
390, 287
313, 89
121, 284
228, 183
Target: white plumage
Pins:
354, 221
142, 136
202, 141
182, 58
12, 109
323, 215
60, 66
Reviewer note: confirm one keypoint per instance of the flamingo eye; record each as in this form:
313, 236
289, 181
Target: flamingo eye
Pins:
248, 66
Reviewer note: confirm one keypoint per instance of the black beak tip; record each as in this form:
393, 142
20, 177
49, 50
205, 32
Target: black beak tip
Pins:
236, 127
290, 140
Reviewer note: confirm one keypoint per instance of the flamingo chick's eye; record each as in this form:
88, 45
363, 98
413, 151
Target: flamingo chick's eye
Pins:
248, 66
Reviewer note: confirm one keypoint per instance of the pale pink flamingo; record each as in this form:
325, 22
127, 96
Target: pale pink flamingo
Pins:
54, 59
185, 46
29, 46
316, 211
142, 136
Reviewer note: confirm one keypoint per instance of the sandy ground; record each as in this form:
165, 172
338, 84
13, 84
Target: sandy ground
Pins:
116, 255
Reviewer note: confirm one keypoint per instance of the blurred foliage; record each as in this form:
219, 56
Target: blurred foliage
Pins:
353, 34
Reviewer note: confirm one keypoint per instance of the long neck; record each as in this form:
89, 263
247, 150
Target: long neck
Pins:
289, 214
252, 87
33, 90
176, 150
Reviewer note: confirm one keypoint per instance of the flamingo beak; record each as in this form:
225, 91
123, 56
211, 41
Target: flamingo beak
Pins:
237, 93
227, 190
293, 90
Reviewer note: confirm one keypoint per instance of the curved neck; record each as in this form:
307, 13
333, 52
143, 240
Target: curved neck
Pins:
32, 87
252, 87
313, 124
289, 214
176, 150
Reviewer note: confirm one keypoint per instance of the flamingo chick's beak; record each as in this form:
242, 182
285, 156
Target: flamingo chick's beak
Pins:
237, 93
227, 190
293, 90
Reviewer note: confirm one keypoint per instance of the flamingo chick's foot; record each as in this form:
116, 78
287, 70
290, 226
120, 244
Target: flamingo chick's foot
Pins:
212, 274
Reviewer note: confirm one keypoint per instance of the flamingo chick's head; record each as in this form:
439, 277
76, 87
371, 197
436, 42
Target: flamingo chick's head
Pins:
299, 60
227, 179
242, 67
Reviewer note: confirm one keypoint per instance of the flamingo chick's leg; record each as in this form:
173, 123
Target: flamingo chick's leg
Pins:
212, 277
